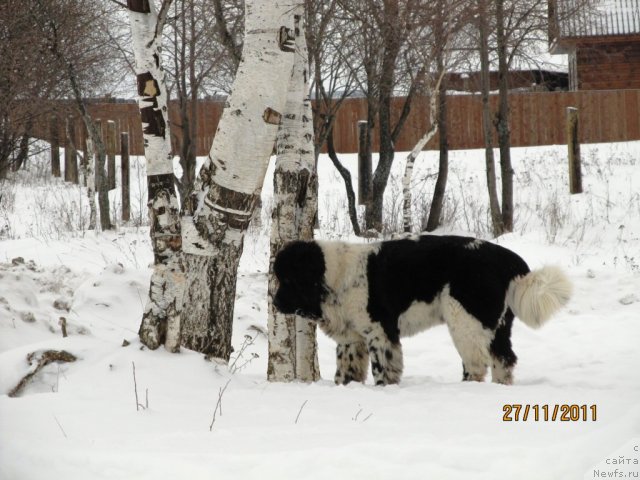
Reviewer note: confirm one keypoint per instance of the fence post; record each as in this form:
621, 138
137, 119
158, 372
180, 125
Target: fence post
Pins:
111, 154
124, 168
55, 146
364, 163
70, 156
573, 144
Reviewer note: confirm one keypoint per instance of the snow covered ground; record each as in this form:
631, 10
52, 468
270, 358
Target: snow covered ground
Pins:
79, 420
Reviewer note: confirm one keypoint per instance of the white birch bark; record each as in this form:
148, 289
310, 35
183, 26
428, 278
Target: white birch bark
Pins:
407, 219
233, 174
161, 317
307, 366
90, 179
244, 140
292, 340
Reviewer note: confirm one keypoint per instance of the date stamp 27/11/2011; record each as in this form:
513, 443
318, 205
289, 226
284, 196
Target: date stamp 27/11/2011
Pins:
518, 412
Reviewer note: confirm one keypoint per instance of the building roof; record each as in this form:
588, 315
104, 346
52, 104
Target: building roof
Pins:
604, 18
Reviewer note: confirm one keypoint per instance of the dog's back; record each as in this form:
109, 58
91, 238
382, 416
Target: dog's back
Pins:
477, 273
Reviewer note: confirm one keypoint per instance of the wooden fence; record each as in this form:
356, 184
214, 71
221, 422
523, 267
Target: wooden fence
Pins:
537, 118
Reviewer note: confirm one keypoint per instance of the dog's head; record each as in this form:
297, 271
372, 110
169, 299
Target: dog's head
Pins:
299, 267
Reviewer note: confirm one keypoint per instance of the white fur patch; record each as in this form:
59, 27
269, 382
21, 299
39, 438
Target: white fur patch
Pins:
346, 262
535, 297
469, 337
474, 245
419, 317
345, 308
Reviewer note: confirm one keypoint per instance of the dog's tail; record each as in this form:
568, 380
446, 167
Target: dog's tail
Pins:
536, 296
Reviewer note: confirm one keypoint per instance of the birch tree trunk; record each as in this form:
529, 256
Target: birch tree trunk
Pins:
411, 158
292, 339
90, 179
233, 174
161, 318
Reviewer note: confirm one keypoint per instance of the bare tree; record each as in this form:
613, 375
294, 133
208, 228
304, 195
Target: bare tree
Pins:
68, 26
436, 44
27, 80
512, 31
484, 30
331, 57
380, 33
502, 118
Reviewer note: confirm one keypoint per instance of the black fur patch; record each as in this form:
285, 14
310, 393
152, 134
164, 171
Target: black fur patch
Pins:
299, 268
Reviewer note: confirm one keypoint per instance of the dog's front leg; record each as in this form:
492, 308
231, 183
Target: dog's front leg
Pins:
386, 356
352, 362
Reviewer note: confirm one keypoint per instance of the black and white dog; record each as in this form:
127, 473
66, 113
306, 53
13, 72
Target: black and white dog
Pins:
367, 296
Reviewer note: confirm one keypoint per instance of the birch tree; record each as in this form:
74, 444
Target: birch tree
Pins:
292, 339
232, 176
90, 180
434, 100
161, 317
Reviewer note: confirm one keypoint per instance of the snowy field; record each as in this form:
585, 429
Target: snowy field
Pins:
79, 420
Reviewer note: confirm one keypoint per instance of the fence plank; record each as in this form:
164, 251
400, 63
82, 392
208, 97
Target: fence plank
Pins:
55, 145
632, 104
112, 148
70, 156
124, 171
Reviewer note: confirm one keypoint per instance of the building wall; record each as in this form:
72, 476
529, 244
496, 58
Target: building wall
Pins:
608, 66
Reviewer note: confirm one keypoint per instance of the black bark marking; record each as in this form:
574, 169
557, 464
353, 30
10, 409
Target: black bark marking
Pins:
139, 6
222, 200
154, 121
160, 192
301, 196
151, 115
286, 39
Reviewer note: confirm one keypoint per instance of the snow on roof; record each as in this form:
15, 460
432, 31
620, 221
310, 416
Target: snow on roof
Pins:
607, 17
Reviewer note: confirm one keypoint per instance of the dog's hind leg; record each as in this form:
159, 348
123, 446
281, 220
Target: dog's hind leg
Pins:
386, 356
502, 357
470, 338
352, 362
